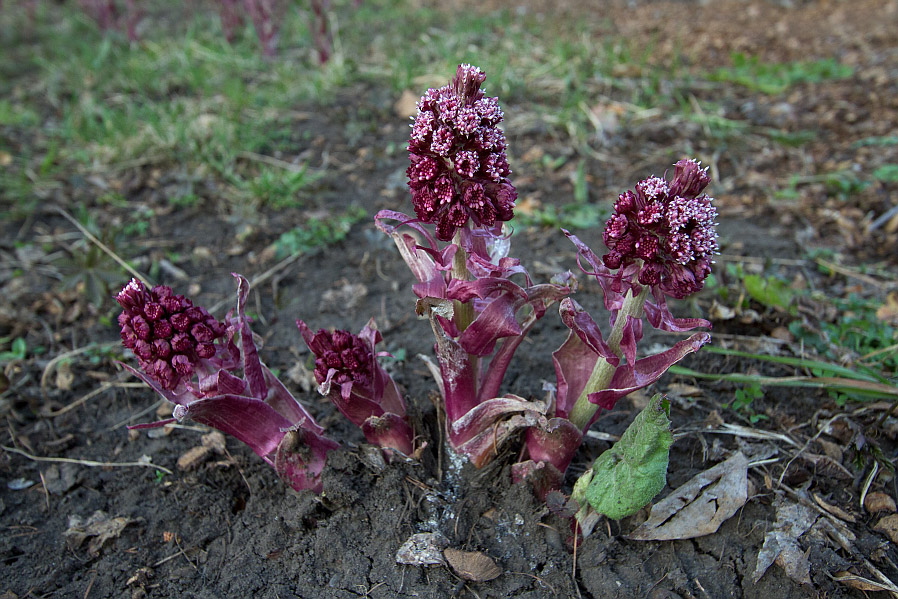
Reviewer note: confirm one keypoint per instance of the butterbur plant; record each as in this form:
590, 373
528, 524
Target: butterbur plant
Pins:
661, 241
459, 182
347, 373
481, 304
212, 373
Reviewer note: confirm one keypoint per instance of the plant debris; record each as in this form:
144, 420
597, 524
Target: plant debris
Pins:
700, 506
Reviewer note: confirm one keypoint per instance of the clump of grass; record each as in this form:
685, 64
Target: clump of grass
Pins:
775, 78
317, 234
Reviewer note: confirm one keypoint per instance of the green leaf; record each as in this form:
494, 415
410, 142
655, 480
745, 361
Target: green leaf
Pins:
769, 291
630, 474
887, 173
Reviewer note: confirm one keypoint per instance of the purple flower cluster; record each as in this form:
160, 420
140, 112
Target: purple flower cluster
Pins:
348, 374
211, 371
669, 227
344, 353
167, 333
459, 169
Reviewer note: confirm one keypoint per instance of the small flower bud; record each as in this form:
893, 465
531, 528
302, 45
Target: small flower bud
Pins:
167, 333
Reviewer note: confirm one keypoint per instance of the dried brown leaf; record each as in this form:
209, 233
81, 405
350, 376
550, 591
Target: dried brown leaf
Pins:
422, 549
700, 506
194, 457
407, 104
472, 565
888, 312
833, 509
888, 526
878, 501
99, 528
859, 583
781, 542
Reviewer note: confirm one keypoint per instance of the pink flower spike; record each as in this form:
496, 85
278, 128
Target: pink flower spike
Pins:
667, 229
214, 382
459, 169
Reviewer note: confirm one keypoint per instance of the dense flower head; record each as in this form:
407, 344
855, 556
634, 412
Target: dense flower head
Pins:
167, 333
349, 355
459, 169
670, 227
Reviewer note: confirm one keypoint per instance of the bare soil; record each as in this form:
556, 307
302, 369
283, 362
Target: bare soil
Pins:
230, 528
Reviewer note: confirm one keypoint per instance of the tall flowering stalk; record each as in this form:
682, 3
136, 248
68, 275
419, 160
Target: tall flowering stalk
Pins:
348, 374
458, 178
267, 16
661, 241
212, 373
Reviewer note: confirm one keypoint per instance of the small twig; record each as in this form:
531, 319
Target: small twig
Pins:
90, 585
152, 408
272, 161
240, 470
739, 431
134, 273
181, 549
46, 492
89, 463
847, 272
806, 445
883, 219
51, 365
262, 278
760, 260
82, 400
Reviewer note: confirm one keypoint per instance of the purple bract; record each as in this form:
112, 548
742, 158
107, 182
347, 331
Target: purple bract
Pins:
459, 170
669, 227
348, 374
212, 373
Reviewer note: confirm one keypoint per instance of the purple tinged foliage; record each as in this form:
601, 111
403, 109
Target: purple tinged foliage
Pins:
472, 357
668, 229
195, 362
661, 236
459, 169
348, 373
267, 16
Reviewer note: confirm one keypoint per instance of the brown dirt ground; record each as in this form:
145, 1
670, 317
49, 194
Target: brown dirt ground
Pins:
231, 529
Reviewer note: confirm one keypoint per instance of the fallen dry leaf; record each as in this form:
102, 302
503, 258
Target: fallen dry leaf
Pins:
193, 458
781, 542
423, 549
878, 501
212, 443
888, 526
856, 582
64, 376
888, 312
472, 565
99, 528
407, 104
699, 506
833, 509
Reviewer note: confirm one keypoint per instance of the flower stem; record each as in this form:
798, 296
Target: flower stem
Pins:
603, 371
464, 311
